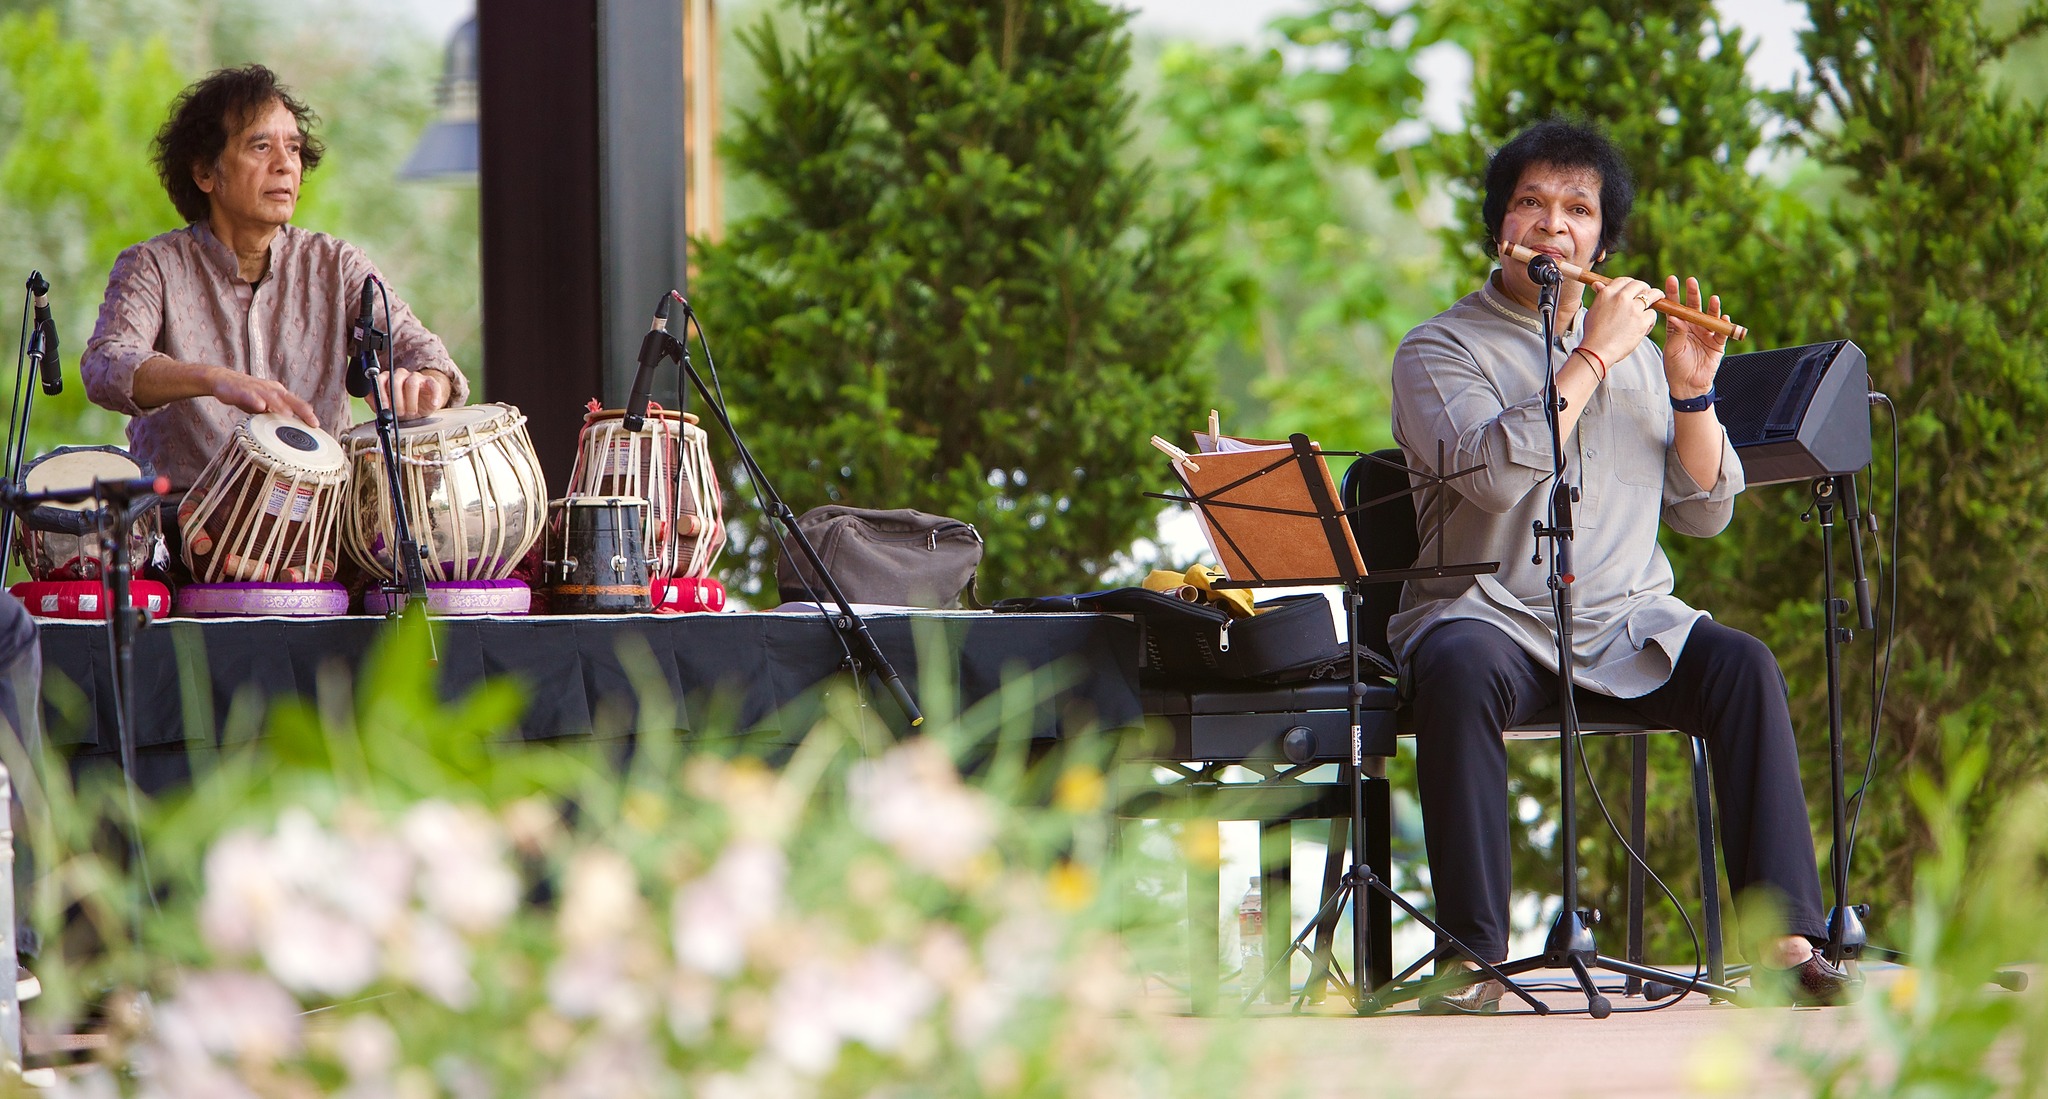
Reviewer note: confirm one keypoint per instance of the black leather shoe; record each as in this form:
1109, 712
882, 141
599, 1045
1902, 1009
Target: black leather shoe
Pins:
1817, 982
1477, 998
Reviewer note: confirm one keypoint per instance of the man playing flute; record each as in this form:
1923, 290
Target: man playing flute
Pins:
1642, 443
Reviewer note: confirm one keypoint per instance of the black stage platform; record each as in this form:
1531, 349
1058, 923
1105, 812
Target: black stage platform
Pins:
571, 666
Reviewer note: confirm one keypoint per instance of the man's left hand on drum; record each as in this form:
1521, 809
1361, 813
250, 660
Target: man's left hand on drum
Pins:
414, 393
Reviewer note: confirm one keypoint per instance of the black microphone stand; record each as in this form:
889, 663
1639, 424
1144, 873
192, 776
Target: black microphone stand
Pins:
1570, 943
848, 621
409, 576
37, 343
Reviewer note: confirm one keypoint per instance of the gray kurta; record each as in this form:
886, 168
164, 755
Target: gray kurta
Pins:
1472, 376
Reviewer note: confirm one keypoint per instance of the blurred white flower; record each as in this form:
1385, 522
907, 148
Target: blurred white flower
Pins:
367, 1048
314, 949
431, 957
620, 1067
241, 892
599, 981
463, 876
880, 997
229, 1014
912, 799
763, 1078
600, 898
1020, 956
714, 915
309, 902
875, 999
692, 1006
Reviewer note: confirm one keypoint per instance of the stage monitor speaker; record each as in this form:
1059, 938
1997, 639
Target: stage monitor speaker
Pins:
1796, 413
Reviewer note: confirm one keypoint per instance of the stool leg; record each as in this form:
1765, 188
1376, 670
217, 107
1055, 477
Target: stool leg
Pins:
1639, 791
1710, 883
1379, 851
1205, 946
1276, 866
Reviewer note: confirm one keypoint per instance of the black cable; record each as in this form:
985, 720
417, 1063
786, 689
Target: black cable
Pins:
753, 471
1698, 959
1881, 682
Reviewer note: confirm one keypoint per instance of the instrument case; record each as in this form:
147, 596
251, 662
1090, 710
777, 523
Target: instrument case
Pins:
1291, 640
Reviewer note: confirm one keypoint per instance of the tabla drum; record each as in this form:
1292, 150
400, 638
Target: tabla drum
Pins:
668, 464
265, 509
62, 541
593, 562
472, 487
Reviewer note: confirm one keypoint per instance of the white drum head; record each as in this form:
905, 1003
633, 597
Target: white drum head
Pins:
475, 418
289, 442
76, 468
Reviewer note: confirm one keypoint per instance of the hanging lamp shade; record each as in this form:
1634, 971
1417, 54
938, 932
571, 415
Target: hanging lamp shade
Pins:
448, 149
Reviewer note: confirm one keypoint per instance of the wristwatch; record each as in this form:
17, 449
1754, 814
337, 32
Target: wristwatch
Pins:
1696, 404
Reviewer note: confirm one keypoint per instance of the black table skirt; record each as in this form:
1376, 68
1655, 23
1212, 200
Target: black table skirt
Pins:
757, 664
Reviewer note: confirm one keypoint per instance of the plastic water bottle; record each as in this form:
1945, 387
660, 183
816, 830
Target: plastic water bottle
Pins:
1251, 931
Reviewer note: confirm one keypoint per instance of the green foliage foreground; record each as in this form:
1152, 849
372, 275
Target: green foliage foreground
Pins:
383, 897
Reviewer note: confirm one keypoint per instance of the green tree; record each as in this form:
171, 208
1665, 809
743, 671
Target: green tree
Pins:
1315, 211
83, 87
1937, 266
76, 184
959, 299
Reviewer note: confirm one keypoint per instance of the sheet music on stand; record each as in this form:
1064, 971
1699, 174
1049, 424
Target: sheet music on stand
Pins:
1271, 514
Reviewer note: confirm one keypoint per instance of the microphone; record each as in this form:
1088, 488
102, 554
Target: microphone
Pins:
652, 347
1543, 270
358, 377
42, 347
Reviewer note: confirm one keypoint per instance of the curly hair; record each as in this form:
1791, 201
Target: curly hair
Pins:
1561, 143
206, 115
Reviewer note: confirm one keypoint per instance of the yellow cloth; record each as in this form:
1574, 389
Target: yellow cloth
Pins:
1200, 579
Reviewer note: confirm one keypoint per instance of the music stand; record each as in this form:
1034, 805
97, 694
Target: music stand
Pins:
1273, 516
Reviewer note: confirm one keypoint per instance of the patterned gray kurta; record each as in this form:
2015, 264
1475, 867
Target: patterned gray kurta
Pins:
1472, 376
181, 294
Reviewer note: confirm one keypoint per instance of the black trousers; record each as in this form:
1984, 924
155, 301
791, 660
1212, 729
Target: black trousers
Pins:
1469, 682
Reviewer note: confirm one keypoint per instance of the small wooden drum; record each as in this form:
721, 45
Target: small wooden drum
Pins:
668, 464
472, 488
264, 510
62, 541
593, 563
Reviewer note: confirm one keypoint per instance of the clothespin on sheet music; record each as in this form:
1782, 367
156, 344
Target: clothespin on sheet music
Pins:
1181, 461
1215, 430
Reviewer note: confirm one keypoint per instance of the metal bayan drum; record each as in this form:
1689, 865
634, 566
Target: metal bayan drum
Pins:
265, 508
593, 562
62, 541
472, 488
668, 464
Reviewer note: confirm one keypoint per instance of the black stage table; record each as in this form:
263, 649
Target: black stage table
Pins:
576, 682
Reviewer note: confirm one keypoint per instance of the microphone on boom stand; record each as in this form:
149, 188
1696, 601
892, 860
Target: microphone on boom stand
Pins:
42, 341
358, 377
653, 348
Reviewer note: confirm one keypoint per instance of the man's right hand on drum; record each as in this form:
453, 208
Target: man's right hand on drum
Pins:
253, 395
163, 379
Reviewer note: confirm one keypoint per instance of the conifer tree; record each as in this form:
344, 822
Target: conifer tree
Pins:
961, 298
1939, 270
